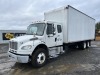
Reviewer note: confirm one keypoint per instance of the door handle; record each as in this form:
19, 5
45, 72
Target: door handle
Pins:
55, 39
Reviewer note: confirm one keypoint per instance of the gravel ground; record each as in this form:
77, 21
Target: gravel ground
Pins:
4, 48
74, 62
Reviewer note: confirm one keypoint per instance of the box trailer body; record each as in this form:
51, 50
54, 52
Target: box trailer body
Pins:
62, 28
77, 26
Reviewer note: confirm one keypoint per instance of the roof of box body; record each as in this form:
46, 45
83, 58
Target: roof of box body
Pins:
67, 7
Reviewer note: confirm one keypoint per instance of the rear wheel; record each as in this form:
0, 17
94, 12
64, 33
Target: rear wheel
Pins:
88, 44
82, 45
39, 58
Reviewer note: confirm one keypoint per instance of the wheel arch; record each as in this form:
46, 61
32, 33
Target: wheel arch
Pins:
41, 46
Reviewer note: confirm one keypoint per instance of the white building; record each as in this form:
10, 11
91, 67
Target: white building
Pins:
6, 35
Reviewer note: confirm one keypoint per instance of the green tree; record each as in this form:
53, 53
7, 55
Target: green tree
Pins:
97, 31
98, 26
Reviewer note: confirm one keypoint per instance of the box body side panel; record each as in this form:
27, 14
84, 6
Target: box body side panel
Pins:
80, 26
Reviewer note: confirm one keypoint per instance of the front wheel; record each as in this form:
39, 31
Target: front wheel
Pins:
39, 58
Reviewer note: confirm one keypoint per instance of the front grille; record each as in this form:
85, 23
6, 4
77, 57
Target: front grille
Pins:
13, 45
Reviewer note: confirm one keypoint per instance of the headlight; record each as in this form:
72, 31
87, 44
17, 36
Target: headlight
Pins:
26, 47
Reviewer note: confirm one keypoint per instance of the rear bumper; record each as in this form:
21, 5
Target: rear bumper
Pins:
19, 57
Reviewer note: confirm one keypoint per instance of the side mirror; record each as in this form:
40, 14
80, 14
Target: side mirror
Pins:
54, 33
34, 34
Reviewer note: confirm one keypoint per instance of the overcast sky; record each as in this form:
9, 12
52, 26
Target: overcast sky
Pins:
18, 14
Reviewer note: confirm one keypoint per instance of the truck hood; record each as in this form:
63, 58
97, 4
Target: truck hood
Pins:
23, 38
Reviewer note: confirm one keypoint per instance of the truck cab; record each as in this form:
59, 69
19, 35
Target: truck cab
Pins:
43, 40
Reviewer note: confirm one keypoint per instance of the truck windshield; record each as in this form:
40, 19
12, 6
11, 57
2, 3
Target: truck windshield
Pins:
37, 28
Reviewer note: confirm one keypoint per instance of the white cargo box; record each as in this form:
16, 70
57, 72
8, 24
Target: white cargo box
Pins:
77, 26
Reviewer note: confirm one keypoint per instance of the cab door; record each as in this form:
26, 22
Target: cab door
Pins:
50, 35
59, 35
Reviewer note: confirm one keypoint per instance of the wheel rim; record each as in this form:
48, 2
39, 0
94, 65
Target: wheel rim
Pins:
41, 58
84, 45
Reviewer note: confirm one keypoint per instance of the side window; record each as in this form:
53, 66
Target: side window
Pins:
50, 28
59, 28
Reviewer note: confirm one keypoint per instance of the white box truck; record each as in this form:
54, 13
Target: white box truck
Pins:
62, 28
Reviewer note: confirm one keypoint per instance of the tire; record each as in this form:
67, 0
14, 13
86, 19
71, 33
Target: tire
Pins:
39, 58
82, 45
88, 44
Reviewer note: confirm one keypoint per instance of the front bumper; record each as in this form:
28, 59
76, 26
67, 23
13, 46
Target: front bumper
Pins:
19, 57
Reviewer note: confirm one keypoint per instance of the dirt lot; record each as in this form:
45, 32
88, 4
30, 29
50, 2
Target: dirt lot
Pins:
98, 38
74, 62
